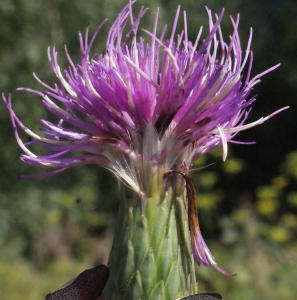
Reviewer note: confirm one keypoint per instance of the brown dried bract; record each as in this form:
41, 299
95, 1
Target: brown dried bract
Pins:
191, 200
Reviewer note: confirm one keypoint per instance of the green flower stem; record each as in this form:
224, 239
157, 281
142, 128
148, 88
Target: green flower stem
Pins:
151, 256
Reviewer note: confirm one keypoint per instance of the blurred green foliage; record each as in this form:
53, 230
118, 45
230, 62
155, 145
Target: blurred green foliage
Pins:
53, 228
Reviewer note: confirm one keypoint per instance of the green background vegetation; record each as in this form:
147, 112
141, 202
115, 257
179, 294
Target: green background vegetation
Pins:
51, 229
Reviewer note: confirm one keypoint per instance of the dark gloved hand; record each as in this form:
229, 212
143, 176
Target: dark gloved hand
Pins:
208, 296
86, 286
90, 283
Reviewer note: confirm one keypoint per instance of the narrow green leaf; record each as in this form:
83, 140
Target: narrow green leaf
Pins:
148, 270
158, 293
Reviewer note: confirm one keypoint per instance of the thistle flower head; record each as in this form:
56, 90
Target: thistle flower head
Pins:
147, 102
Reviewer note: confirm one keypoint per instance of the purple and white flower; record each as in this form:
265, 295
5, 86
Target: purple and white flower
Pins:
147, 102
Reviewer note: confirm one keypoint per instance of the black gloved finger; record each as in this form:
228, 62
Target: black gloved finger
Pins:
207, 296
86, 286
